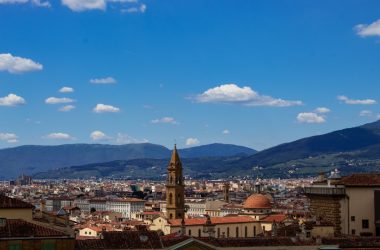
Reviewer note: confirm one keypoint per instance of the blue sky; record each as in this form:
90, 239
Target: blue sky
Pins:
253, 73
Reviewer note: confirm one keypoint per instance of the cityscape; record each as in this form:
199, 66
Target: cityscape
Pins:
189, 125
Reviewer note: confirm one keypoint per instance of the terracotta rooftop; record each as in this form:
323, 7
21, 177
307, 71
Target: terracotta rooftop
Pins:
123, 240
214, 220
363, 179
14, 228
274, 218
7, 202
257, 201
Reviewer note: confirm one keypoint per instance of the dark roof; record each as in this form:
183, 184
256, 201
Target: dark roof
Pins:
257, 241
7, 202
363, 179
19, 228
123, 240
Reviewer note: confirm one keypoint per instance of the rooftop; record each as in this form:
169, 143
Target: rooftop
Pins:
15, 228
8, 202
362, 179
214, 220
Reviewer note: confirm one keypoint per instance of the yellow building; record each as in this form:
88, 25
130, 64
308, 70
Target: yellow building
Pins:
11, 208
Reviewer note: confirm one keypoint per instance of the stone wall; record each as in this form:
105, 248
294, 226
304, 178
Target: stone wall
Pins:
328, 209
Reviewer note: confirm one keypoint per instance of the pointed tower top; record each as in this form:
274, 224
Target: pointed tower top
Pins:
175, 161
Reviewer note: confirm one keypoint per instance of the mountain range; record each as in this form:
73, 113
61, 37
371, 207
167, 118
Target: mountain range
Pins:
354, 149
31, 159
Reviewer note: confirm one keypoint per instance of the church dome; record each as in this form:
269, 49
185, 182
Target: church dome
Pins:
257, 201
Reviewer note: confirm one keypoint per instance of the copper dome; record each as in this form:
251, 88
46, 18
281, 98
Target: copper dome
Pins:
257, 201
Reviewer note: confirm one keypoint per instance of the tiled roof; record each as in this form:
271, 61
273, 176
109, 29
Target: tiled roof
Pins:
7, 202
123, 240
364, 179
214, 220
20, 228
274, 218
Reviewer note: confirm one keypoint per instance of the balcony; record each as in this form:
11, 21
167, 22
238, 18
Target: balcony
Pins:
326, 191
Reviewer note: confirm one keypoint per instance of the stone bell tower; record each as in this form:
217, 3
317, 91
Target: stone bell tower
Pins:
175, 188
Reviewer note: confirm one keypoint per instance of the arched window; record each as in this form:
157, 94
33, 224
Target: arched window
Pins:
170, 198
171, 216
237, 232
228, 232
218, 232
245, 232
254, 231
189, 232
179, 199
199, 233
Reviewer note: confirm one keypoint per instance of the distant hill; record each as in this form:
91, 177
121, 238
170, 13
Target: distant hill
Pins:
345, 140
351, 150
32, 158
215, 150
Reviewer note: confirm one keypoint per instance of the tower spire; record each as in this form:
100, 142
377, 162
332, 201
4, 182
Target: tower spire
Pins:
175, 161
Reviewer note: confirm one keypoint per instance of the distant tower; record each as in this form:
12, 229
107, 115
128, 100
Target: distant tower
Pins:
226, 192
257, 186
175, 188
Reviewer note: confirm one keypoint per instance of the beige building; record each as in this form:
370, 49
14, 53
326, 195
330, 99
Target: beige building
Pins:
11, 208
234, 227
351, 203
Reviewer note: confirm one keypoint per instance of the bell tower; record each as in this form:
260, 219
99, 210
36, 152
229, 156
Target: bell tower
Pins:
175, 188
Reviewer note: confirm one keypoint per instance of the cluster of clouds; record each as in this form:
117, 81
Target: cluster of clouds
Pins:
168, 120
126, 6
317, 116
366, 30
232, 93
9, 137
120, 138
18, 65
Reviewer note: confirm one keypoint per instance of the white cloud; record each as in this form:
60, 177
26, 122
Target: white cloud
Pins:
126, 139
231, 93
139, 9
310, 117
83, 5
107, 80
99, 136
15, 64
66, 108
322, 110
9, 137
59, 136
56, 100
225, 132
192, 141
102, 108
347, 100
13, 1
366, 113
38, 3
66, 90
170, 120
365, 30
11, 100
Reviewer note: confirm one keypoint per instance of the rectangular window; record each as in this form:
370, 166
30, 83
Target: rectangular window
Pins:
353, 232
352, 218
365, 224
